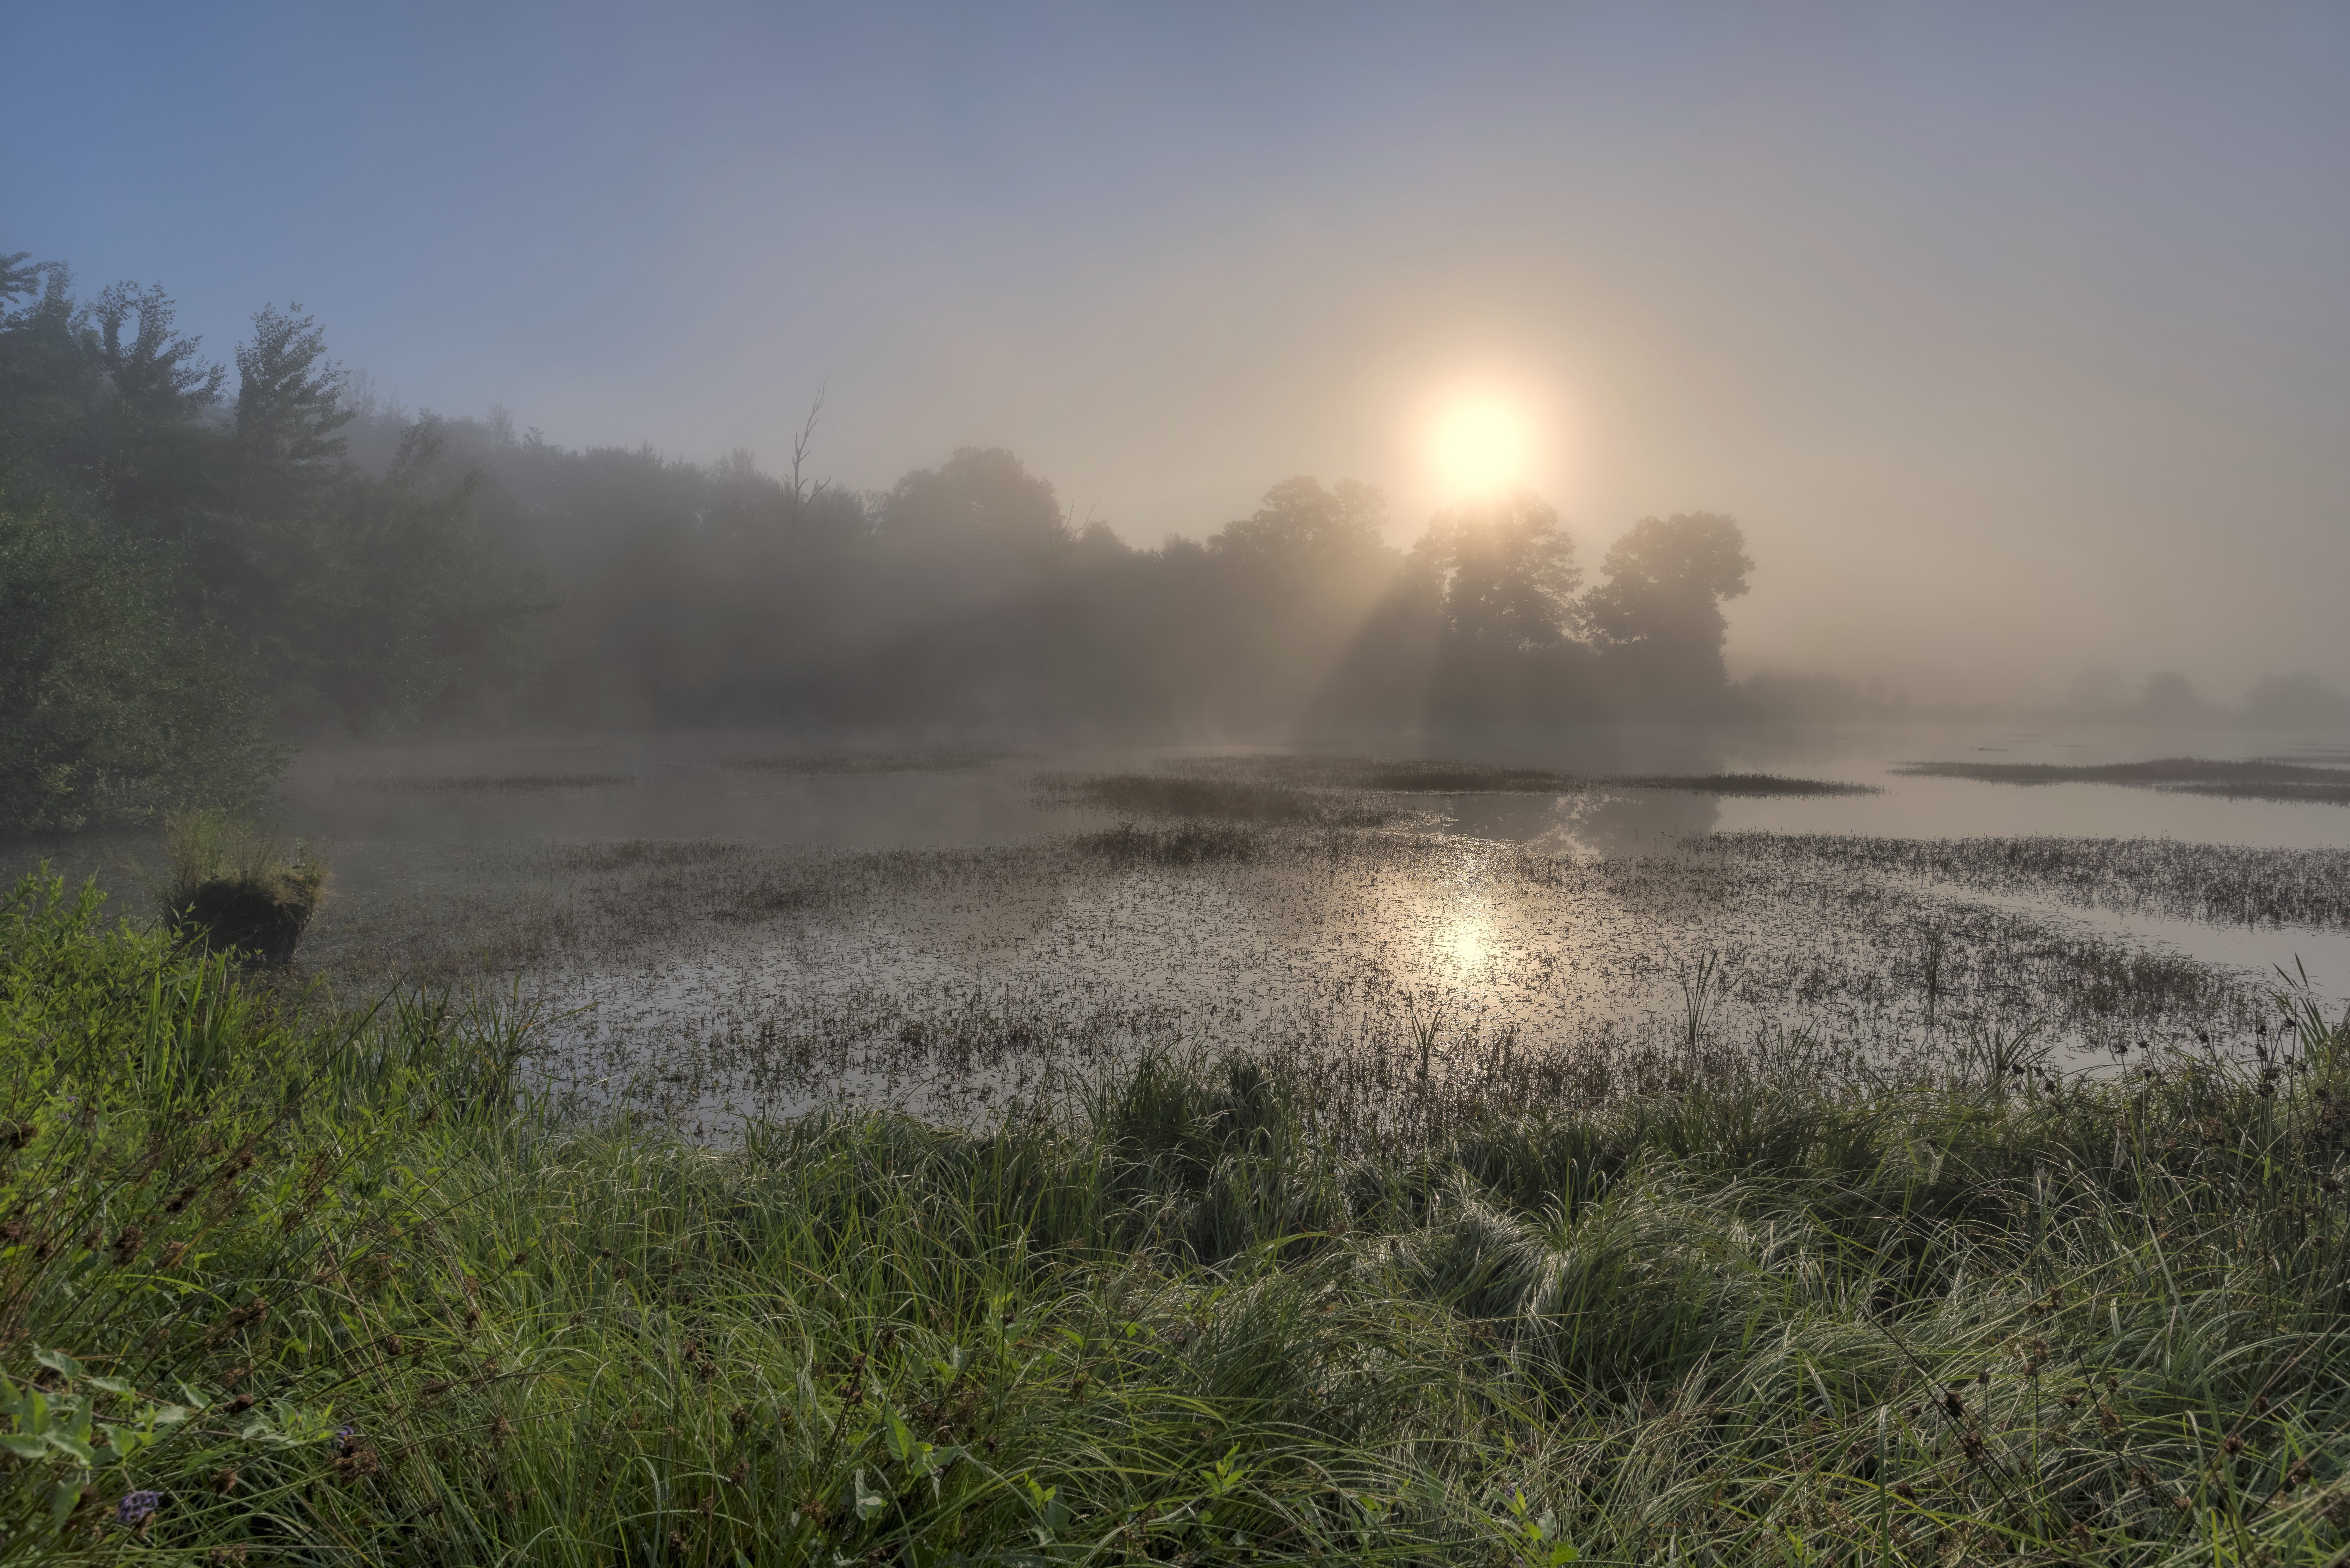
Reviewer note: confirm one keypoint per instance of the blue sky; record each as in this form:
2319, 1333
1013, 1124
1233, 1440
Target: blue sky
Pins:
2017, 334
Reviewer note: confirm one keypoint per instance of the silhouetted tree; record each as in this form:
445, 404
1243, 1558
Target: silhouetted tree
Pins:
1507, 571
979, 520
2167, 697
2298, 700
1658, 617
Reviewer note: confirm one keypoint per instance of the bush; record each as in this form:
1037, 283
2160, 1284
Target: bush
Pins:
110, 710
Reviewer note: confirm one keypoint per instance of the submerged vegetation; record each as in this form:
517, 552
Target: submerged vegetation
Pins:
1192, 844
711, 982
286, 1282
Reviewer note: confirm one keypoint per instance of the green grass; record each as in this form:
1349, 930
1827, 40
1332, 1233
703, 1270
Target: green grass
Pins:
339, 1287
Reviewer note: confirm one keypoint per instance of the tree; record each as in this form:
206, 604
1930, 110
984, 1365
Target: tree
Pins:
110, 710
156, 374
1659, 615
1507, 572
2300, 700
981, 511
1299, 520
289, 398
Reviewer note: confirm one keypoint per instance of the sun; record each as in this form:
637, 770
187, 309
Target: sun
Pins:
1479, 443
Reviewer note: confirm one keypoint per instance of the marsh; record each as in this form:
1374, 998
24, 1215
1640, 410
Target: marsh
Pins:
737, 923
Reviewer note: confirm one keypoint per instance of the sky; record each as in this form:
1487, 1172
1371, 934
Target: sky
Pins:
2017, 336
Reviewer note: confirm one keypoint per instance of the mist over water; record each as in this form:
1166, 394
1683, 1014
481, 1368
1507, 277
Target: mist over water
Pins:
1656, 528
689, 906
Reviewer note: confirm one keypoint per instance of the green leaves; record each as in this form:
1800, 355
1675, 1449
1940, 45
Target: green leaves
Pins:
62, 1423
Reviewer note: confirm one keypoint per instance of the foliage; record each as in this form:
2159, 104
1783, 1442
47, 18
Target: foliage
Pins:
260, 561
1659, 615
282, 1283
1508, 572
111, 710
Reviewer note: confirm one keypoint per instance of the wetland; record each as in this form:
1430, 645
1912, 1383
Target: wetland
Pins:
728, 928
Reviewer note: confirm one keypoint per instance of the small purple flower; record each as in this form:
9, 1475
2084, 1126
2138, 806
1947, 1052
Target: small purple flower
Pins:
137, 1507
345, 1436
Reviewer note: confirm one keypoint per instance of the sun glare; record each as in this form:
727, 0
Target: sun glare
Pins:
1480, 444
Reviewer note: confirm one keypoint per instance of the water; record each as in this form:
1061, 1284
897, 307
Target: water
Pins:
1562, 921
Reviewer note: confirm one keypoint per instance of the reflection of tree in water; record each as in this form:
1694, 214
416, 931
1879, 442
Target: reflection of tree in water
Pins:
1592, 821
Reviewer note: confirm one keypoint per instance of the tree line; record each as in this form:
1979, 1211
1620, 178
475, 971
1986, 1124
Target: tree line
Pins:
198, 568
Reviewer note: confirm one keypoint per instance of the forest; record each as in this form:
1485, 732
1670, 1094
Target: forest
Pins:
203, 564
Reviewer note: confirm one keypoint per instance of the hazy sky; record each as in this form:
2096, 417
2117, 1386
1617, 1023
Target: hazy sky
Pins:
2018, 336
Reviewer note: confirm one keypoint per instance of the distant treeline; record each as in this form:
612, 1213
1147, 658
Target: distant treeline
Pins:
195, 568
964, 595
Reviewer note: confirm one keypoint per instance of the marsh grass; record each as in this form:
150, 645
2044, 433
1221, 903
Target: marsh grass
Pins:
2259, 779
1755, 785
1180, 796
707, 983
2228, 883
491, 783
285, 1285
818, 765
2319, 794
1190, 844
1429, 776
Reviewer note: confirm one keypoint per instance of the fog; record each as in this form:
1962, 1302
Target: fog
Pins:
2013, 341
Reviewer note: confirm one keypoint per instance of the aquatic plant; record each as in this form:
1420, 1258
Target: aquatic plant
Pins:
2231, 883
1168, 796
1192, 844
2259, 779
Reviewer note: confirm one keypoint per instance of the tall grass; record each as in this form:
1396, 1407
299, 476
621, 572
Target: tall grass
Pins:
212, 849
282, 1284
